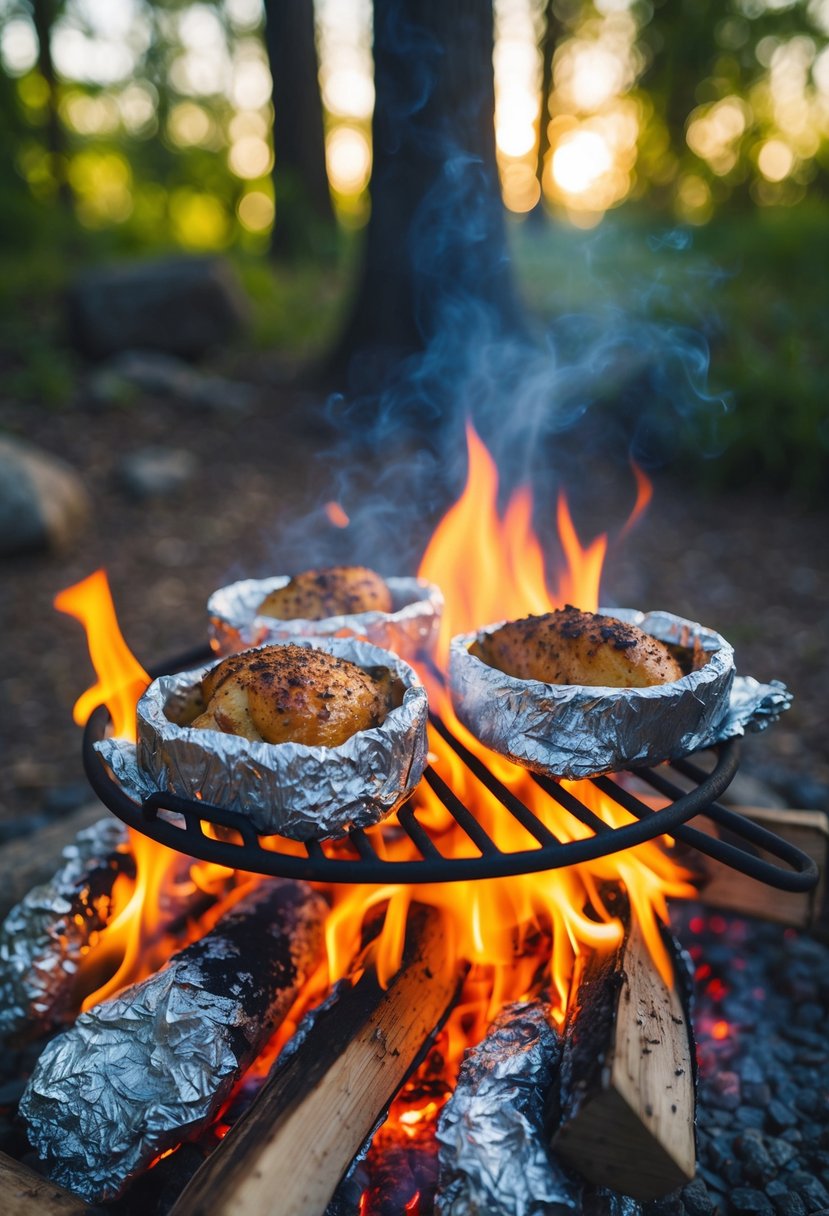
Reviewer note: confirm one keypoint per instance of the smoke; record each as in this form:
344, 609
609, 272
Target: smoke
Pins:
610, 362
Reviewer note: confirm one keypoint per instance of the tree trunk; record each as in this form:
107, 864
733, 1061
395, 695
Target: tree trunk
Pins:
303, 201
43, 16
435, 252
547, 48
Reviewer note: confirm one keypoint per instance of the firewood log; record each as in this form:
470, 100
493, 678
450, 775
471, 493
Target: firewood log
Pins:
321, 1102
138, 1074
627, 1080
25, 1193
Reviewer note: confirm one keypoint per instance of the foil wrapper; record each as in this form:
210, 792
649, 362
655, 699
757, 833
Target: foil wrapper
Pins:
574, 731
293, 789
138, 1074
409, 629
494, 1154
44, 938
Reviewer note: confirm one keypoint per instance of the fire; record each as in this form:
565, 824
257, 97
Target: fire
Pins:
121, 678
336, 515
521, 935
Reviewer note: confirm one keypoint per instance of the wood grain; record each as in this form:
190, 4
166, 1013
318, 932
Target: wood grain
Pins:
25, 1193
628, 1108
315, 1111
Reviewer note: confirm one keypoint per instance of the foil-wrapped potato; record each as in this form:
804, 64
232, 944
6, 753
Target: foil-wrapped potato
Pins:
573, 647
335, 591
293, 694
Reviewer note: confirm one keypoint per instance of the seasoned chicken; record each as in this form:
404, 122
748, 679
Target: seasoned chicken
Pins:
336, 591
572, 647
293, 694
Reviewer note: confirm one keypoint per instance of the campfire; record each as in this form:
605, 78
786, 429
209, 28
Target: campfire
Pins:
488, 975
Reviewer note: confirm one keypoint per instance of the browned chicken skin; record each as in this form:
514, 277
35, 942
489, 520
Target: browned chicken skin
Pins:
293, 694
336, 591
572, 647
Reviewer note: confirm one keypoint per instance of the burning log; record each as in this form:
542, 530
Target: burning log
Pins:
25, 1193
140, 1073
493, 1148
325, 1096
627, 1081
722, 887
44, 937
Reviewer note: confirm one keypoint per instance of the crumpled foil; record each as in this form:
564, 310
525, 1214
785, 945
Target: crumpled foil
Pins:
298, 791
411, 627
44, 938
138, 1074
494, 1154
575, 731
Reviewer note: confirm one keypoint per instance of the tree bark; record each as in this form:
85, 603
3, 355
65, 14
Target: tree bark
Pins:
43, 16
303, 201
435, 251
547, 48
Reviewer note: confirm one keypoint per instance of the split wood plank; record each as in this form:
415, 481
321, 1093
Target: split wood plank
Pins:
25, 1193
315, 1111
627, 1078
724, 888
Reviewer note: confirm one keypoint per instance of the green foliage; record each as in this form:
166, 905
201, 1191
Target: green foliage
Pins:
751, 283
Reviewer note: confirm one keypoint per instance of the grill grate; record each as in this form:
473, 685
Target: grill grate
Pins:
213, 833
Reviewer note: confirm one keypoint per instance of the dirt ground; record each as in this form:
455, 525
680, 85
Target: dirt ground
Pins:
752, 565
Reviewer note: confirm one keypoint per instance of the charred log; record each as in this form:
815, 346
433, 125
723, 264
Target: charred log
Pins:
326, 1095
627, 1077
494, 1153
44, 938
30, 860
140, 1073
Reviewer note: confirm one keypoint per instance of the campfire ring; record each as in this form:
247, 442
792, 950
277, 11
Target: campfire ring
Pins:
180, 823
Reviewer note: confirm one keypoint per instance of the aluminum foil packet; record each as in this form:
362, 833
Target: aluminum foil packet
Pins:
409, 629
578, 731
138, 1074
44, 938
293, 789
494, 1154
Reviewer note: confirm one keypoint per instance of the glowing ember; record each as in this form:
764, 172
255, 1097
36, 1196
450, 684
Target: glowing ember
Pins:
336, 515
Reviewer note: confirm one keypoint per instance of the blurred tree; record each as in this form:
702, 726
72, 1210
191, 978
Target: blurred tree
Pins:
550, 30
304, 214
435, 255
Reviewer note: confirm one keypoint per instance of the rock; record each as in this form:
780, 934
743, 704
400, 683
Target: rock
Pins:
181, 305
748, 1202
724, 1091
43, 502
146, 371
696, 1200
780, 1116
156, 472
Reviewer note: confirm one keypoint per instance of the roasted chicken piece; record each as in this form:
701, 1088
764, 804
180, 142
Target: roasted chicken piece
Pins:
293, 694
336, 591
572, 647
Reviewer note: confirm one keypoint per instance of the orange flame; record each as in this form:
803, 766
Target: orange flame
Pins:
121, 678
521, 934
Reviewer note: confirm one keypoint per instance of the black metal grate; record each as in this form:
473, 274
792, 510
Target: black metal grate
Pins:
216, 834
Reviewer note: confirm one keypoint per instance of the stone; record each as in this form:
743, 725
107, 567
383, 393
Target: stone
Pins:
758, 1166
696, 1200
182, 305
779, 1116
747, 1202
755, 1093
43, 502
156, 472
789, 1204
121, 378
724, 1091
